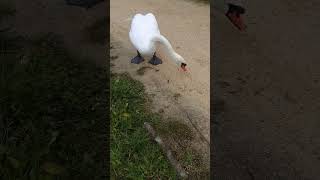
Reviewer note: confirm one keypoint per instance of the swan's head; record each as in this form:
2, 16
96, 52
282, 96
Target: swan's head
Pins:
181, 62
183, 66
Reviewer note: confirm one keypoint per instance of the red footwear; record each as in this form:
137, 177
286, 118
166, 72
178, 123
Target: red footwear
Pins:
236, 20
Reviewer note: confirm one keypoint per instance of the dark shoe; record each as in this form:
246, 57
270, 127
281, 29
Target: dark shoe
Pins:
238, 9
234, 15
236, 20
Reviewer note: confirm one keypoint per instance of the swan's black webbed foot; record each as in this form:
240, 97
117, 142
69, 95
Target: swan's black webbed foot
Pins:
155, 60
138, 59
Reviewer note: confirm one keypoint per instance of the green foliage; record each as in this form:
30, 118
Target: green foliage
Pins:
133, 156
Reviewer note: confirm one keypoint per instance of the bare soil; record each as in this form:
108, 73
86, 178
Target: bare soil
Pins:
266, 90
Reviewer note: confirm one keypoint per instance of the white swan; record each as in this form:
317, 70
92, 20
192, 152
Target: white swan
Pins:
144, 34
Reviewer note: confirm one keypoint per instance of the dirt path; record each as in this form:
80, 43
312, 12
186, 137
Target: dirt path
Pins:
184, 96
268, 78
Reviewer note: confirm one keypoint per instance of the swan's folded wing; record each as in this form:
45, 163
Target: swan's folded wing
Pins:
137, 30
152, 23
143, 29
145, 24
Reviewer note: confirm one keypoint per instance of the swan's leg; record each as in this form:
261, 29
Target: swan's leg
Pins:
155, 60
138, 59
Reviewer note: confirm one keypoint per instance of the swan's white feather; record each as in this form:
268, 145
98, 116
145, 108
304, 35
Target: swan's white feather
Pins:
143, 29
144, 34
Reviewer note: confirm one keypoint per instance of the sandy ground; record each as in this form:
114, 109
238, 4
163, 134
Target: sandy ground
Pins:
268, 79
176, 94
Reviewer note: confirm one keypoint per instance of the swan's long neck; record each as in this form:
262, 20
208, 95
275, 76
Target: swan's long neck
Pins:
173, 55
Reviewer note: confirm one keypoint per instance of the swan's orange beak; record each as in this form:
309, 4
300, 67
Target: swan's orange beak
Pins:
183, 66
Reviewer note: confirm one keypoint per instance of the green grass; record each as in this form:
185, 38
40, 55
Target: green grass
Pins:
133, 155
53, 112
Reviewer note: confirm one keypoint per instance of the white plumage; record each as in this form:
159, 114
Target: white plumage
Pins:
143, 29
144, 34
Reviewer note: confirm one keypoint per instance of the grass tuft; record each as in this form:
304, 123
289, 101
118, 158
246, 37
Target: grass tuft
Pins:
133, 156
